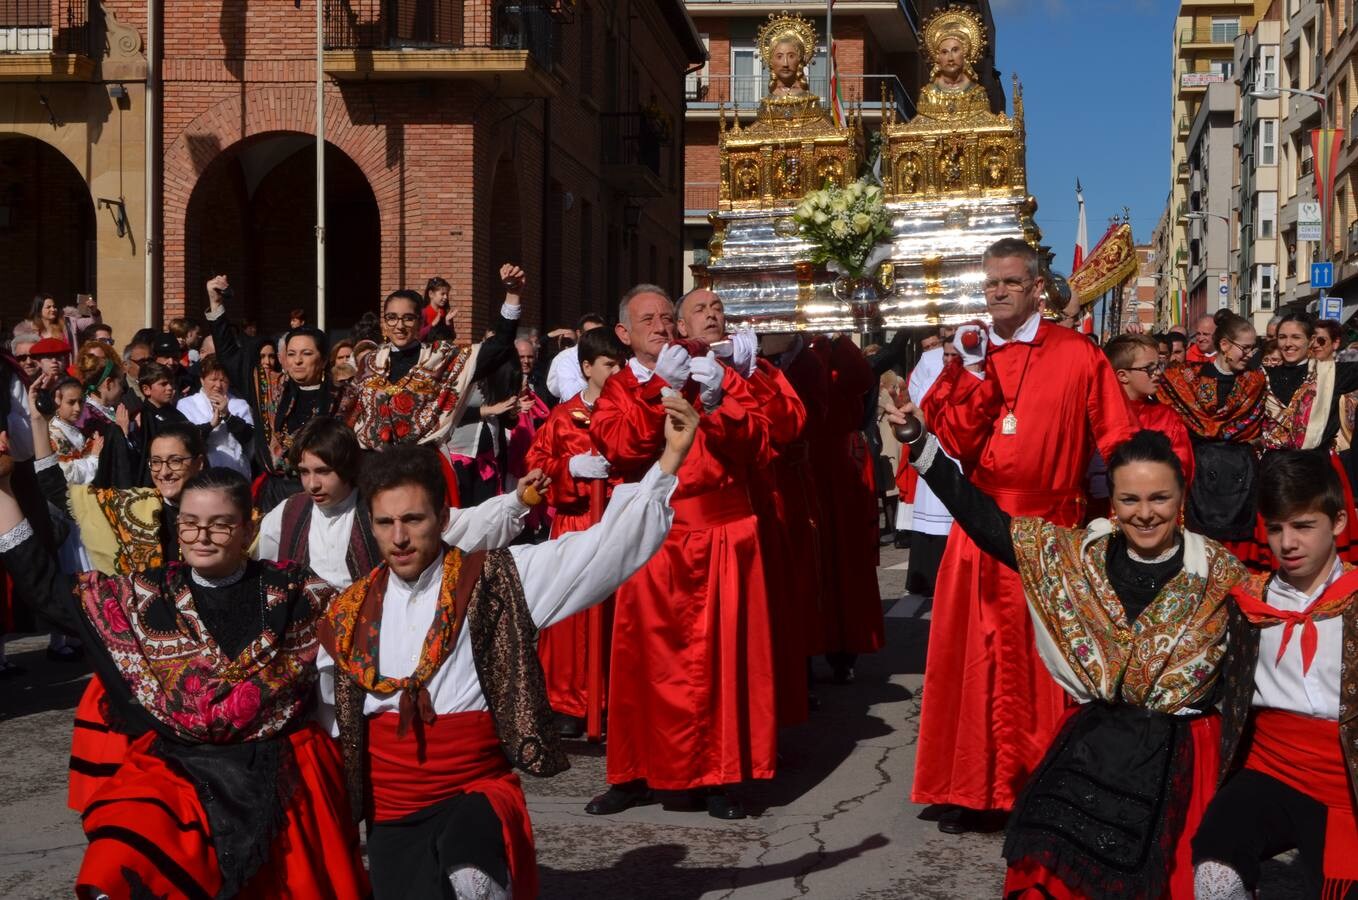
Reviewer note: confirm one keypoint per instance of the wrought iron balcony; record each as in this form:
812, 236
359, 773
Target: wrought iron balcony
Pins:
508, 40
704, 92
632, 149
47, 39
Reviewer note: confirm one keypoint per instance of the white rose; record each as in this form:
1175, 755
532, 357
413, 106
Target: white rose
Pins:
839, 228
819, 217
862, 222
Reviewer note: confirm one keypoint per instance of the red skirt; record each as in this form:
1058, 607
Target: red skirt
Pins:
1030, 881
97, 751
564, 648
696, 705
148, 822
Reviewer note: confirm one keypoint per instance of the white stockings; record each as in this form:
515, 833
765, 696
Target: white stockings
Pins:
1216, 881
470, 883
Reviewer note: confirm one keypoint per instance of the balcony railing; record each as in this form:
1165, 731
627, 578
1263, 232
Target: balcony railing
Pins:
700, 197
1215, 34
45, 26
631, 139
440, 24
745, 91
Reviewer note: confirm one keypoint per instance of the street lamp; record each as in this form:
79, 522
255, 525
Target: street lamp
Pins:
1200, 216
1273, 93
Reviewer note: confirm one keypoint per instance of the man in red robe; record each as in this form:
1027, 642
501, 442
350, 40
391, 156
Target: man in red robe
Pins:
691, 706
1023, 429
1202, 349
796, 611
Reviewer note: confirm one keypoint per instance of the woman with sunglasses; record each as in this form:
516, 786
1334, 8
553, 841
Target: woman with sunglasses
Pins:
226, 788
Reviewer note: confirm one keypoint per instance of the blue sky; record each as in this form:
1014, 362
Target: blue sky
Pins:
1096, 91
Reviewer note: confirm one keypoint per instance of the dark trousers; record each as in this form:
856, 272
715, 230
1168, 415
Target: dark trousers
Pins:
410, 858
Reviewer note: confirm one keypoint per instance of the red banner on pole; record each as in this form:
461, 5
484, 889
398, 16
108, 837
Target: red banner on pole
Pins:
1325, 147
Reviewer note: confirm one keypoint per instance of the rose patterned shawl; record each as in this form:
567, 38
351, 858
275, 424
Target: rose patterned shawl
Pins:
1300, 423
1237, 417
1167, 660
175, 669
422, 407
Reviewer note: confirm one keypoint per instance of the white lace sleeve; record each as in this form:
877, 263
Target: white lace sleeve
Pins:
16, 535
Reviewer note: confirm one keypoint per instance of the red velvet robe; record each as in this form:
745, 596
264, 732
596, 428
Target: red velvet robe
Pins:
564, 647
990, 708
695, 707
793, 604
1162, 418
797, 485
852, 607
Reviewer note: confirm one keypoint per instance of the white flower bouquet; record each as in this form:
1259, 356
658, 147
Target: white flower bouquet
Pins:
845, 224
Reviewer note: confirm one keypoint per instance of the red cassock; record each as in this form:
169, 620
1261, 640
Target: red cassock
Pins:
564, 647
1162, 418
799, 487
990, 709
693, 703
793, 602
852, 607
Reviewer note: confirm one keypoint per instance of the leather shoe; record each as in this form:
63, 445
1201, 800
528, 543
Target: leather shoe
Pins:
618, 798
954, 821
568, 727
722, 806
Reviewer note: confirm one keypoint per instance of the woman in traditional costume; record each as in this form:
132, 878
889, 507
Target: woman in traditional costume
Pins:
281, 403
228, 787
1130, 618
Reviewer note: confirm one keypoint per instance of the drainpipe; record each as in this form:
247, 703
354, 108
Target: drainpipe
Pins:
320, 165
148, 244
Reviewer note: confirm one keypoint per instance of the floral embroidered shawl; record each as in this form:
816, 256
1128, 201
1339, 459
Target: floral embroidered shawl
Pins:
1167, 660
175, 669
421, 407
1300, 423
1237, 418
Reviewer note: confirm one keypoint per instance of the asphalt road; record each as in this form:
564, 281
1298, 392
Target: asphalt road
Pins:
836, 823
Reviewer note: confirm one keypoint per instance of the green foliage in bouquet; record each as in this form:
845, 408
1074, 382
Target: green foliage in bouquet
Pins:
844, 224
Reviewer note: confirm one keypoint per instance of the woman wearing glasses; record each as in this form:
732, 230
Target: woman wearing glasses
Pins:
207, 666
413, 392
281, 403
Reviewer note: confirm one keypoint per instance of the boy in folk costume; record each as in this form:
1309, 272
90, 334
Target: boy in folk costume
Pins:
1289, 742
437, 693
562, 449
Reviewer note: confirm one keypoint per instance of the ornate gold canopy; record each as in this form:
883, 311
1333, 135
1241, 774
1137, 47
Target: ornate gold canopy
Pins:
959, 23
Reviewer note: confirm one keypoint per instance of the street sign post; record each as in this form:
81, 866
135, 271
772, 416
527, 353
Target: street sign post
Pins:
1322, 275
1309, 224
1331, 307
1223, 290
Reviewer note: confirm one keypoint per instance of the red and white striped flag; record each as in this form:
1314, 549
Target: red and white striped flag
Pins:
1081, 232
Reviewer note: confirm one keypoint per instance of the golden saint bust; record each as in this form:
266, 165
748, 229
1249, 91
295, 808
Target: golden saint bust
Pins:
787, 43
954, 38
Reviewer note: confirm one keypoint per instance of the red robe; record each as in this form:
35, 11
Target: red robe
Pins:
852, 611
1162, 418
691, 629
794, 603
990, 707
800, 491
564, 647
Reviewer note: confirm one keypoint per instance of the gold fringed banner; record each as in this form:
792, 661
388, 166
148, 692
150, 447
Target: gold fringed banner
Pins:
1111, 263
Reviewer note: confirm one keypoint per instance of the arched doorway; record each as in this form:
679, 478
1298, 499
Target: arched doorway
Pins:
47, 233
252, 215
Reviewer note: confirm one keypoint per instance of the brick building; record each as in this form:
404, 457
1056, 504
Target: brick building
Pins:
879, 47
460, 134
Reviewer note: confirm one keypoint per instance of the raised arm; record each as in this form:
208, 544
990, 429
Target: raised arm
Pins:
500, 345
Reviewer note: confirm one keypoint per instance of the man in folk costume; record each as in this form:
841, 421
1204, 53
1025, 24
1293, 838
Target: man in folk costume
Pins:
1023, 430
563, 451
430, 672
703, 316
328, 528
699, 607
413, 392
1289, 739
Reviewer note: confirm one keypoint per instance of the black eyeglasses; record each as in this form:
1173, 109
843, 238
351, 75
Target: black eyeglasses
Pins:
1247, 349
23, 357
1148, 370
399, 319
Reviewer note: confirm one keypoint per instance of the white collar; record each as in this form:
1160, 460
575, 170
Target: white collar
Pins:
341, 508
1024, 335
224, 581
72, 433
428, 578
107, 411
643, 374
1290, 593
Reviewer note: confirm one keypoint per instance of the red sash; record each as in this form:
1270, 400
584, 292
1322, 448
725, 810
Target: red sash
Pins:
713, 508
1305, 754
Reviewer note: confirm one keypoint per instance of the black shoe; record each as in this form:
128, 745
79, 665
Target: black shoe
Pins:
954, 820
682, 801
902, 540
842, 674
721, 805
934, 811
66, 654
619, 797
568, 727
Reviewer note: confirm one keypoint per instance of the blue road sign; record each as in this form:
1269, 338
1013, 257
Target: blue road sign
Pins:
1322, 275
1331, 307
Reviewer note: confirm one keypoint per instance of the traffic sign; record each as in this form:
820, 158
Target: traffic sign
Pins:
1322, 275
1331, 307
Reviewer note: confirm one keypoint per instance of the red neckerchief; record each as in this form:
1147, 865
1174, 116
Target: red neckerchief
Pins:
1332, 601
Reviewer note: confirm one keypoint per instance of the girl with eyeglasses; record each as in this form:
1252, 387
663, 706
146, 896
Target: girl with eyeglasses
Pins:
206, 667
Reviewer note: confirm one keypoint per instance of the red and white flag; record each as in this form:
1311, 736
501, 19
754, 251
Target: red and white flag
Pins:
1081, 231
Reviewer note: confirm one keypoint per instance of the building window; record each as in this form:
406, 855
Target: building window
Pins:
1266, 214
1268, 142
1265, 282
1224, 30
747, 75
1305, 163
586, 50
1268, 68
1223, 67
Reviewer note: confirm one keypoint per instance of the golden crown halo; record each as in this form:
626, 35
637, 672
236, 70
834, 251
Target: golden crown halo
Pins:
956, 22
786, 27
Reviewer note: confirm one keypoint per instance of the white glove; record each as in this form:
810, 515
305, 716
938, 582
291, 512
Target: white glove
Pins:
673, 365
744, 351
970, 357
588, 465
708, 373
